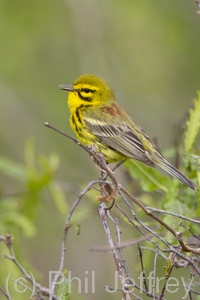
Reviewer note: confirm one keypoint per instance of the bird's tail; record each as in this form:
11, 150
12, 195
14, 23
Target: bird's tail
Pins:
165, 165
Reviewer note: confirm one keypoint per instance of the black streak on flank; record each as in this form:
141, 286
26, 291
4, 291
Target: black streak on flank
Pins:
79, 110
74, 123
78, 115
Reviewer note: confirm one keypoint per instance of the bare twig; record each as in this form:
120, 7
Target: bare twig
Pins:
154, 273
192, 233
198, 3
66, 228
177, 235
153, 250
119, 246
8, 240
167, 276
139, 228
191, 280
153, 209
102, 214
142, 267
27, 288
169, 247
5, 294
191, 290
124, 264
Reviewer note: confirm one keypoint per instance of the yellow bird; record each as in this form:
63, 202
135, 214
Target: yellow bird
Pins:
99, 121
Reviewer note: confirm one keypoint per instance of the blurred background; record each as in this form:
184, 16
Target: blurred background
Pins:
147, 51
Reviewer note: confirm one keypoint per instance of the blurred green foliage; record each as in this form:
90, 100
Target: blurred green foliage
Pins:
148, 52
193, 126
19, 208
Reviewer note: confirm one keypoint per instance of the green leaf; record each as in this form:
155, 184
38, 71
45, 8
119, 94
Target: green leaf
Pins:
78, 229
150, 179
63, 291
193, 125
10, 218
195, 161
167, 267
12, 169
59, 199
198, 177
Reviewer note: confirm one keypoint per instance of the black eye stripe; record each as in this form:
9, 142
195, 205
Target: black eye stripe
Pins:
87, 90
83, 97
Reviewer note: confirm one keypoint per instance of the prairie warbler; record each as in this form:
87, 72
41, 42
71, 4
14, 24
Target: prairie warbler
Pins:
99, 121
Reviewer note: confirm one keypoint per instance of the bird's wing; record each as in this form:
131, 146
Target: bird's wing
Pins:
117, 135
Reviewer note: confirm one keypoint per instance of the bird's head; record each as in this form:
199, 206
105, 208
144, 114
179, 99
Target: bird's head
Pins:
88, 90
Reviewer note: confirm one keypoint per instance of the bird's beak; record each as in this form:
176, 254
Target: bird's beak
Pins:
67, 87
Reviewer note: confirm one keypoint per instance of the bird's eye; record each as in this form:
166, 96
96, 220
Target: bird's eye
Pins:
86, 90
